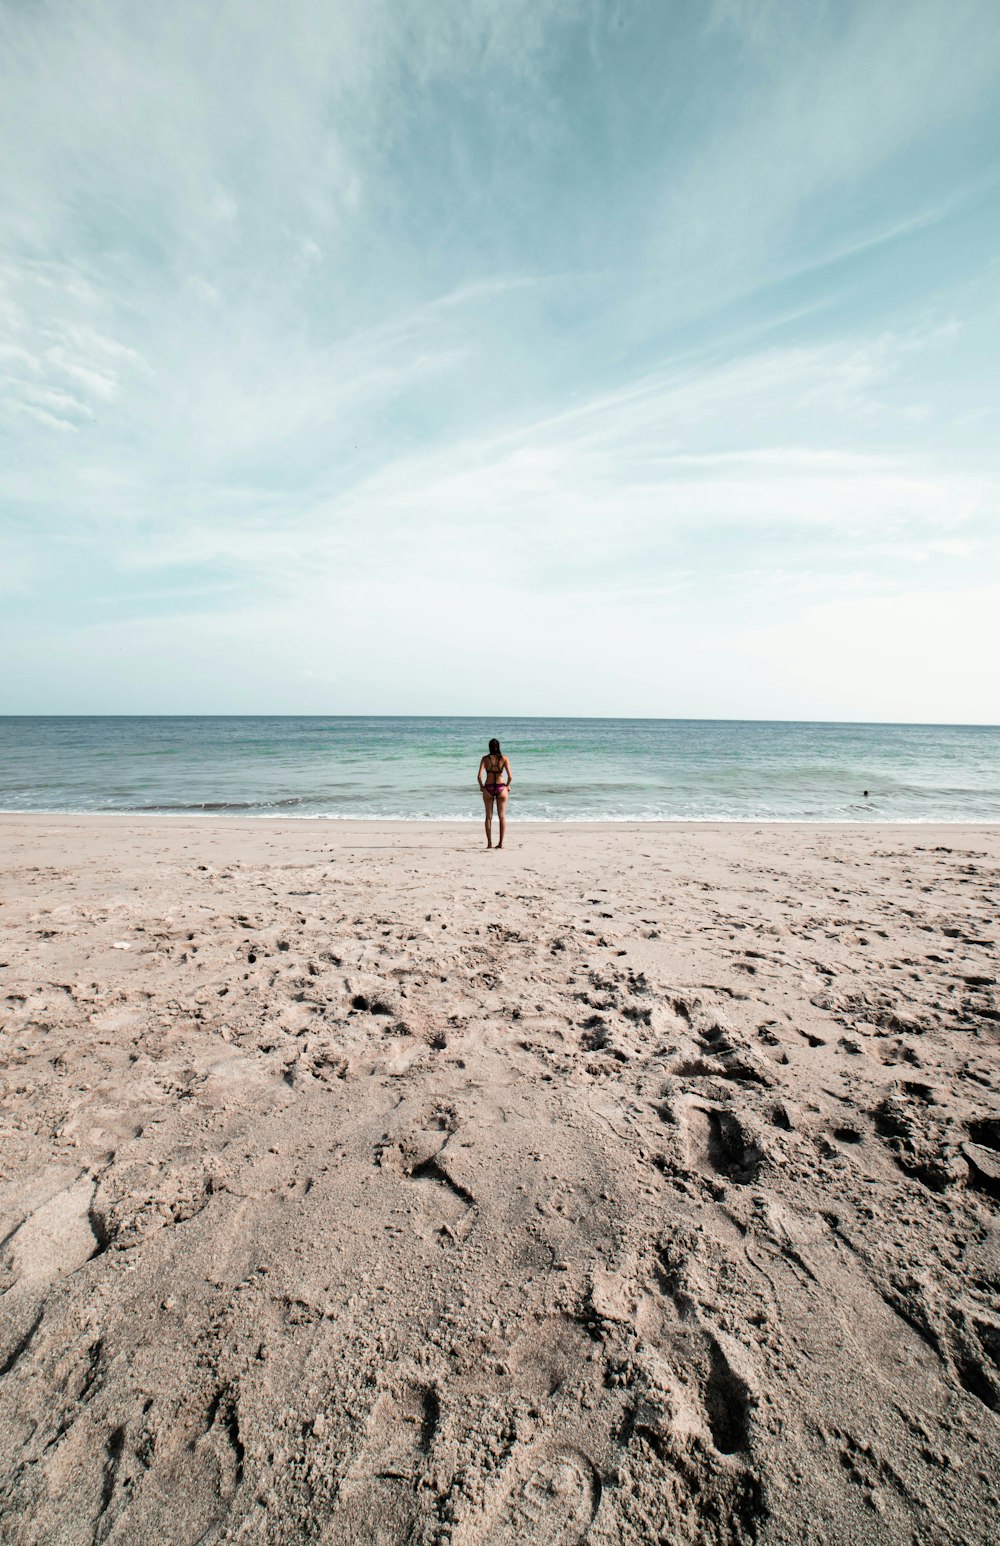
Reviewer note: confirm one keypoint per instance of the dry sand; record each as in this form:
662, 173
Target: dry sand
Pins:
636, 1184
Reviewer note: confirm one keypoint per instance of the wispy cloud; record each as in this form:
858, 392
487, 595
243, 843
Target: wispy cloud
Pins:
341, 316
614, 488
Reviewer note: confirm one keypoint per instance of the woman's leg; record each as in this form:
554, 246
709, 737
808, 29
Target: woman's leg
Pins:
488, 802
502, 813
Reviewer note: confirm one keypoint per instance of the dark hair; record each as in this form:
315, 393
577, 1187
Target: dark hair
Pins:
495, 747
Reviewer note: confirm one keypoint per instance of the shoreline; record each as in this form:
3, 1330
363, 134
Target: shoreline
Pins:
404, 823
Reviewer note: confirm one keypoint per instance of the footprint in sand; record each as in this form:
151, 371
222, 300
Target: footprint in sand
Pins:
379, 1502
549, 1489
704, 1149
56, 1237
416, 1151
550, 1499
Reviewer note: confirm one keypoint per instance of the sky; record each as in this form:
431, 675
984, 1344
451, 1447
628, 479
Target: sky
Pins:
569, 357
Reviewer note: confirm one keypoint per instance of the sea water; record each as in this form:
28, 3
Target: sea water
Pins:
564, 769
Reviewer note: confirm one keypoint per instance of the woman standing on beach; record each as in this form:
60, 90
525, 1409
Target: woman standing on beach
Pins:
492, 768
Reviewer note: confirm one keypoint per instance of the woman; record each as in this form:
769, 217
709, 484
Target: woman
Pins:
492, 768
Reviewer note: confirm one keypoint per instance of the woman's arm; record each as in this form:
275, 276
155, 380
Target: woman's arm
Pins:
510, 776
479, 775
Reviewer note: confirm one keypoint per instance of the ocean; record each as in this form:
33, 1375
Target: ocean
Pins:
564, 769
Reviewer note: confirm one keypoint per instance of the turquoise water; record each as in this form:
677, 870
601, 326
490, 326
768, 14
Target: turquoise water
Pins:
564, 769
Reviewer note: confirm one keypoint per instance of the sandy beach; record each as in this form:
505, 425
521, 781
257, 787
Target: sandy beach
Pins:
635, 1184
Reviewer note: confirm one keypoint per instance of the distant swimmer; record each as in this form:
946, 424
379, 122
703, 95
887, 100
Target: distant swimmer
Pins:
866, 794
495, 786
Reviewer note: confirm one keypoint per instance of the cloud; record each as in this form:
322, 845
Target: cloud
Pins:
623, 466
55, 365
387, 317
824, 102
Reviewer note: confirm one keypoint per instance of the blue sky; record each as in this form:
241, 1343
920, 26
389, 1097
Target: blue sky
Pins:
430, 356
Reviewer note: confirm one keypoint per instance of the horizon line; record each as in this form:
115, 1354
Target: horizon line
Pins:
664, 719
